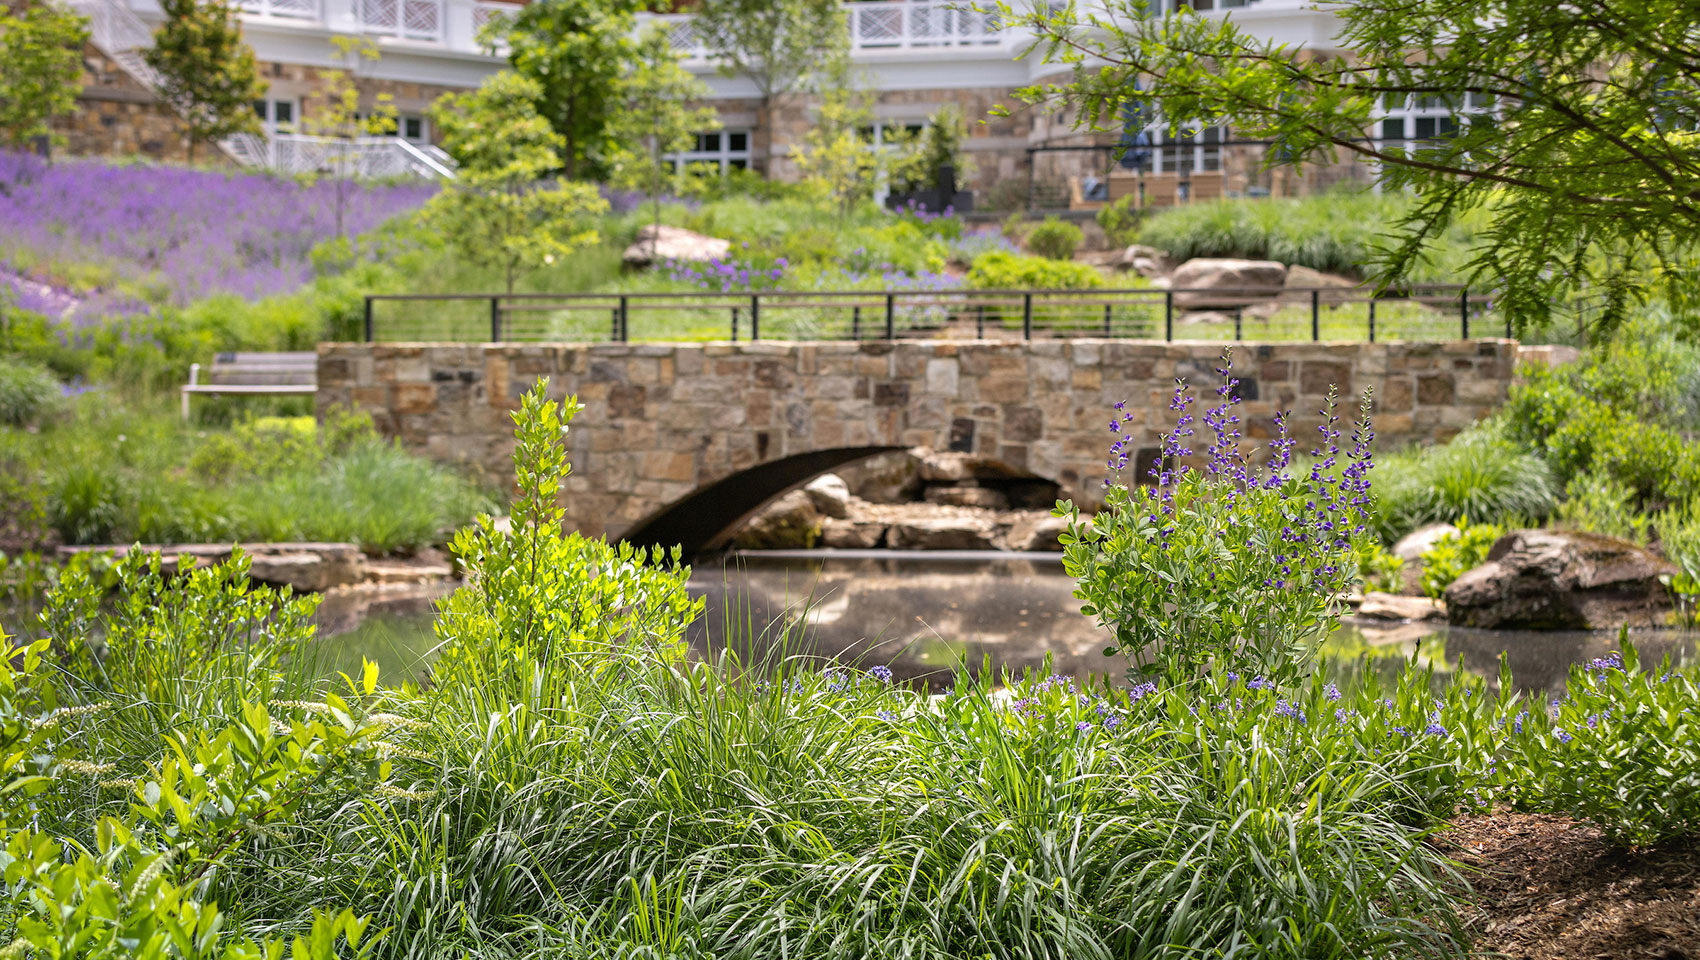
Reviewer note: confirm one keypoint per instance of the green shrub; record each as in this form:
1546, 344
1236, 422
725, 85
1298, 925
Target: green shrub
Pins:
1456, 554
1379, 568
1055, 239
28, 393
1619, 412
1120, 219
1480, 474
1594, 503
1679, 538
999, 270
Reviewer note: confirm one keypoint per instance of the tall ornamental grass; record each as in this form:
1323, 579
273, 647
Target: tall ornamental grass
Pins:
1481, 476
1341, 231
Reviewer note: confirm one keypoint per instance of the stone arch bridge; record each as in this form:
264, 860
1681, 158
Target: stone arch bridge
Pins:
679, 443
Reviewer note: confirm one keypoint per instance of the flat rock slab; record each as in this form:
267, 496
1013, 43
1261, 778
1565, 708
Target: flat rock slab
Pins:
658, 244
388, 572
1390, 606
306, 567
1561, 580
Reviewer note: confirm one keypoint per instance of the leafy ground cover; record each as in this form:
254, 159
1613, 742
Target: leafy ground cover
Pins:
569, 785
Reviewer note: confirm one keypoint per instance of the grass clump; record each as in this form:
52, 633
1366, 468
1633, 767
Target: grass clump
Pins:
28, 393
1481, 474
1338, 232
119, 477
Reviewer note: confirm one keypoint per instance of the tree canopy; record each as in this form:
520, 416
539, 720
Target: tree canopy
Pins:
206, 71
576, 52
1575, 137
41, 65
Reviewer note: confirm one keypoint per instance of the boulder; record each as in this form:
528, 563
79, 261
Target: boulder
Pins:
893, 477
1388, 606
851, 534
1301, 280
955, 532
967, 495
1036, 532
952, 467
1413, 545
1208, 282
304, 567
657, 244
1561, 580
790, 522
829, 495
1146, 261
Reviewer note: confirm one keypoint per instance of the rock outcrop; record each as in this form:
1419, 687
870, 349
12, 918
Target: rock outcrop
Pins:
790, 522
658, 244
829, 495
1558, 580
964, 531
1390, 606
1206, 282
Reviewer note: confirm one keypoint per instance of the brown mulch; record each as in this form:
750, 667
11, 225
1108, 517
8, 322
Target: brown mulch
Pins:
1550, 888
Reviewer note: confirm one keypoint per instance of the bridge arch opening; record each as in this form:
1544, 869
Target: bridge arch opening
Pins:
709, 518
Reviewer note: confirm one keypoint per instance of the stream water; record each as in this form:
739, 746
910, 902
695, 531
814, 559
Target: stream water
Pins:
922, 613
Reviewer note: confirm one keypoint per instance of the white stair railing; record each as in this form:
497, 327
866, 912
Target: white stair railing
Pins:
117, 32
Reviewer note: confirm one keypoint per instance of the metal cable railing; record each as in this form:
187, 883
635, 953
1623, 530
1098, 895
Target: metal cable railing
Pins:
1428, 312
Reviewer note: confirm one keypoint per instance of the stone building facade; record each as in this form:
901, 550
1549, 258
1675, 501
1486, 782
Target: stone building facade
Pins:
662, 421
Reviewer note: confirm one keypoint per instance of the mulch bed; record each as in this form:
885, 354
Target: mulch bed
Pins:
1550, 888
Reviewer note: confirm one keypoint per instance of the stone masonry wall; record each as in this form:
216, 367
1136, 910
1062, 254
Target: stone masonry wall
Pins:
662, 420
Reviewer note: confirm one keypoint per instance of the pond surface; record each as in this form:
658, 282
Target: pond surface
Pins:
924, 612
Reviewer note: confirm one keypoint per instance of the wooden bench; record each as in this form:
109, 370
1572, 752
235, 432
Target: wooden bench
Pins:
264, 374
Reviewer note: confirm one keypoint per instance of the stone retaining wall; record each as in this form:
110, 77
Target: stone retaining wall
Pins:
663, 420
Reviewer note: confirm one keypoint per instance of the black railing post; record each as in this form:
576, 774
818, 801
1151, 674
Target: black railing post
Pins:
1106, 321
1315, 315
734, 324
979, 321
1239, 323
856, 322
1464, 312
755, 316
495, 319
1168, 315
891, 316
1027, 316
368, 318
1508, 332
1372, 319
625, 321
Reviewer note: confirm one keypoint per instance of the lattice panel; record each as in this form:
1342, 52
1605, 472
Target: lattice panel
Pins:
422, 18
878, 24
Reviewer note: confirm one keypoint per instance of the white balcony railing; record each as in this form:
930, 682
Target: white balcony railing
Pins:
308, 10
891, 25
370, 157
406, 19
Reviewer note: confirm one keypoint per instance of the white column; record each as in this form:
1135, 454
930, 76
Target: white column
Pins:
459, 30
341, 16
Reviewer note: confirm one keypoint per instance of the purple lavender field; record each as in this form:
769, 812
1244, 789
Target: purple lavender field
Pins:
83, 239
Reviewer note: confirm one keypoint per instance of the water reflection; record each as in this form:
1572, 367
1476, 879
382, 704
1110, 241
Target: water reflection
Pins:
923, 613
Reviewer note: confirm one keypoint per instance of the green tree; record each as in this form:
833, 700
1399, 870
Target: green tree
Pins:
41, 65
655, 116
940, 145
777, 44
206, 72
503, 211
836, 156
339, 114
576, 51
1576, 134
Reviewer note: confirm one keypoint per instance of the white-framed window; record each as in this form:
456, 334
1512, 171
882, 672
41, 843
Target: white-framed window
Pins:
414, 128
886, 135
726, 149
277, 114
1186, 151
1406, 121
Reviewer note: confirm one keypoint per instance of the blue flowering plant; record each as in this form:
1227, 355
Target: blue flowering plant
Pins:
1225, 565
1620, 748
